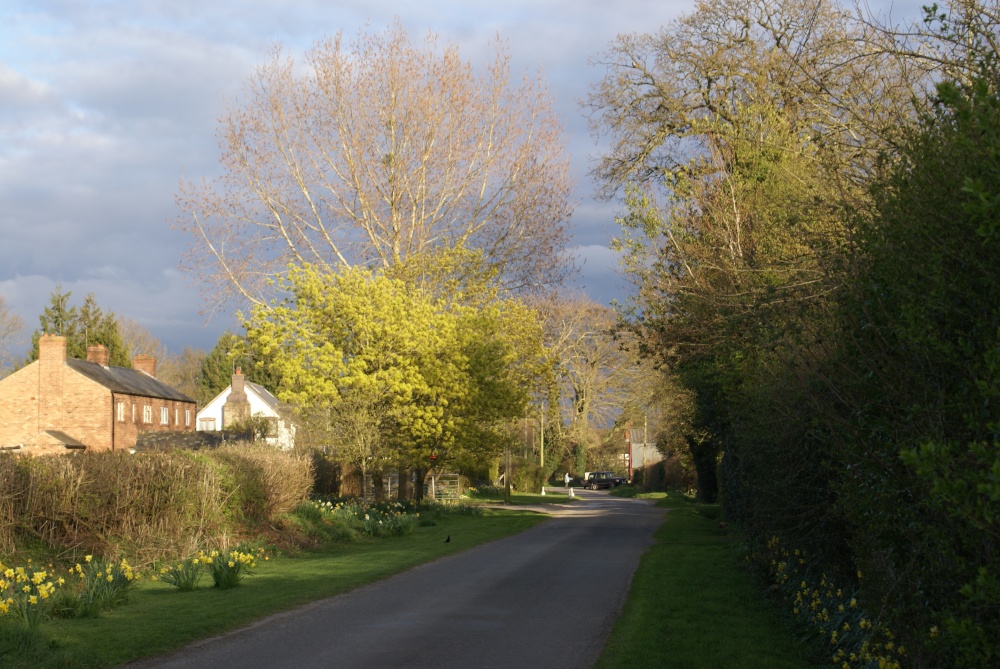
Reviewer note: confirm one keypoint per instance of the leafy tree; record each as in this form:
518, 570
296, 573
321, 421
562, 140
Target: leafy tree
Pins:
380, 151
421, 381
219, 365
923, 376
87, 326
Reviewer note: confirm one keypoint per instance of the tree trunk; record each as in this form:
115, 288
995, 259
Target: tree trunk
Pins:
418, 486
404, 490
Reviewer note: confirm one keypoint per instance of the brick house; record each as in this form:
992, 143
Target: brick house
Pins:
58, 404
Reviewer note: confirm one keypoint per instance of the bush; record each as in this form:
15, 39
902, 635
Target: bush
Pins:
146, 505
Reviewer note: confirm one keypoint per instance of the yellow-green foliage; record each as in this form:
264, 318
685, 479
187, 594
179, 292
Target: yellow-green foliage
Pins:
428, 376
147, 504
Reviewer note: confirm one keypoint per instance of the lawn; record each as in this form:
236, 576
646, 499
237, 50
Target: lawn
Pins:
692, 606
159, 618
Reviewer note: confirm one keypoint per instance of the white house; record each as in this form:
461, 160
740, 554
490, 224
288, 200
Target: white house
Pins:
243, 399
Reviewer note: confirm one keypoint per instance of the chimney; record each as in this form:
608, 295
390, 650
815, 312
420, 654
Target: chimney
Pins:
51, 373
99, 354
237, 406
145, 363
52, 349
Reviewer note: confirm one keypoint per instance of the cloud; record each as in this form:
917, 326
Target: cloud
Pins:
104, 106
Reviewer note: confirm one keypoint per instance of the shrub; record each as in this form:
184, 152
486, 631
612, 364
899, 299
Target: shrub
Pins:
146, 505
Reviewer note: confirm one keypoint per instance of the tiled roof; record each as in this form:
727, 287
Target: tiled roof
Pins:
265, 395
128, 381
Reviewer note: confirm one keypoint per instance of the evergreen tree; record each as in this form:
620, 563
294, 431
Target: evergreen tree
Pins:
217, 368
87, 326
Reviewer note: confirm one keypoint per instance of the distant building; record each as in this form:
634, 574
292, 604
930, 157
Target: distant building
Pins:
58, 404
243, 399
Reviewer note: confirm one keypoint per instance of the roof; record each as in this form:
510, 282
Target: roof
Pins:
65, 439
264, 394
128, 381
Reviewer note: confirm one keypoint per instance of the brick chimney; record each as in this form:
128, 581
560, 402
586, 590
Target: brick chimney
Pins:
52, 349
237, 406
51, 367
145, 363
99, 354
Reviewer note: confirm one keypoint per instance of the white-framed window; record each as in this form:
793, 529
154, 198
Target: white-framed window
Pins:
187, 417
133, 412
164, 416
121, 412
207, 424
147, 413
177, 416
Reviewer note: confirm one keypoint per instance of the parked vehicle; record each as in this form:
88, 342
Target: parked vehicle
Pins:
598, 480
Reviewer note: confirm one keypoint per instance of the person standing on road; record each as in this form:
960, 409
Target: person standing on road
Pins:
566, 479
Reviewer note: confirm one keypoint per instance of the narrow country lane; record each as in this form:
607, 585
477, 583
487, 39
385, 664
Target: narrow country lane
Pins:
544, 598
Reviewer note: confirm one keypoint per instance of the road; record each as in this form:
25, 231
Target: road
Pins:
543, 598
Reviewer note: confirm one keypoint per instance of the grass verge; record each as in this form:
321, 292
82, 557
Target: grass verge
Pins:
159, 618
692, 606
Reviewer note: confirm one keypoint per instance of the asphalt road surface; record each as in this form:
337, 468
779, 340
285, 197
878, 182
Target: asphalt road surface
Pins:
544, 598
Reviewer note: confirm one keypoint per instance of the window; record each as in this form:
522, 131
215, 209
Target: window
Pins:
147, 413
164, 416
133, 412
187, 417
207, 423
177, 416
121, 412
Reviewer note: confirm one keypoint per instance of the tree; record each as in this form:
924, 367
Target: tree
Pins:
218, 366
423, 382
140, 341
591, 366
87, 326
740, 135
376, 152
183, 372
11, 326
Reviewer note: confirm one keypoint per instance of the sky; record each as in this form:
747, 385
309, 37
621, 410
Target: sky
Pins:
106, 104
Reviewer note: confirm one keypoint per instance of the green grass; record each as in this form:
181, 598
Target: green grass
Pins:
692, 606
159, 618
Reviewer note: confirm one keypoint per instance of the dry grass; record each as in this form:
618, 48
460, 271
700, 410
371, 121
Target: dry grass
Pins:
147, 505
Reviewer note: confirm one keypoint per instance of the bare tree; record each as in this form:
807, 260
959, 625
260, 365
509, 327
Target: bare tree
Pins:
593, 368
138, 340
11, 329
669, 99
182, 371
378, 151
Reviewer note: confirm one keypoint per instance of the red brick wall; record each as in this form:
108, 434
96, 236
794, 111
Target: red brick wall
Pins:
50, 395
127, 431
